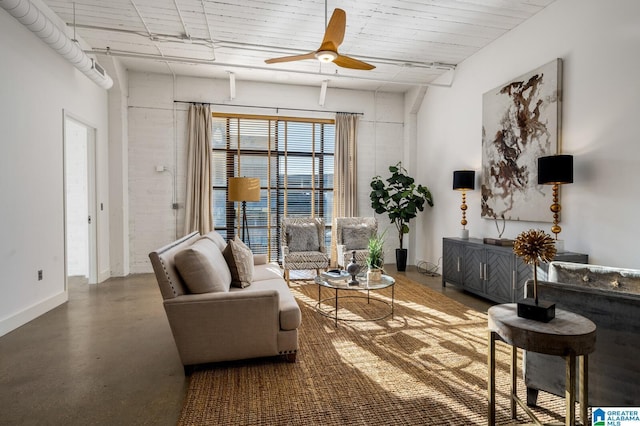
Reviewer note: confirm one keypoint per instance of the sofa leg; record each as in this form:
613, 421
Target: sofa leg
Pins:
290, 357
188, 369
532, 397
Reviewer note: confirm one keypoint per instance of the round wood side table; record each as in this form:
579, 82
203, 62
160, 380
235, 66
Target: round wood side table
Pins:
568, 335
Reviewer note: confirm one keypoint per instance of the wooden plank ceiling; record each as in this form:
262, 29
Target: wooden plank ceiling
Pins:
411, 42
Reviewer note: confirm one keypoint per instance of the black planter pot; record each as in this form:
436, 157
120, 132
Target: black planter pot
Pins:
401, 259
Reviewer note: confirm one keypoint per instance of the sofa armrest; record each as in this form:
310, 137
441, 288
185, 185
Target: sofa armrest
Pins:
260, 259
224, 326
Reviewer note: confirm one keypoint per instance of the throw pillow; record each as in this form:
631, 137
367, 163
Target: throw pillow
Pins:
240, 260
203, 268
356, 237
302, 237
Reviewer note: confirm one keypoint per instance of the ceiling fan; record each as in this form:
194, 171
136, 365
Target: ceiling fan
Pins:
328, 51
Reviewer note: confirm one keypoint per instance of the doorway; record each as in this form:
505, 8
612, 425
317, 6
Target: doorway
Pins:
80, 201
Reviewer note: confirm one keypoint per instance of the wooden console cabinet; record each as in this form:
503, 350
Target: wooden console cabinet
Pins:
493, 272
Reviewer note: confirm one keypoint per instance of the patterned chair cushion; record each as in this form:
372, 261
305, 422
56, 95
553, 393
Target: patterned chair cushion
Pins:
302, 237
240, 260
361, 257
306, 260
356, 237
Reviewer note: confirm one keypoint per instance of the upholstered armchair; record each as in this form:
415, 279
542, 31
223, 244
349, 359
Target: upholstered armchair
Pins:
303, 245
353, 233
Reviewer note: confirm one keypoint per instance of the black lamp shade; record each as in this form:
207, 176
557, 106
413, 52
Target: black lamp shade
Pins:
464, 180
555, 169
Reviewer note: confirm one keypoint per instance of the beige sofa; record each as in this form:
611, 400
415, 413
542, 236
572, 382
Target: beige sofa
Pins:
228, 323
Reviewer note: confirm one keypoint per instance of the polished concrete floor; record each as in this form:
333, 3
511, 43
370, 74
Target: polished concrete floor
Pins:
107, 357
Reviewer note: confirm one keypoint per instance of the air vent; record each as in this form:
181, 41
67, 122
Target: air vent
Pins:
96, 66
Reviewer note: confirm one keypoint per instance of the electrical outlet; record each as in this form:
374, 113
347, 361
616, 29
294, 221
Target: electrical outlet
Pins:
39, 274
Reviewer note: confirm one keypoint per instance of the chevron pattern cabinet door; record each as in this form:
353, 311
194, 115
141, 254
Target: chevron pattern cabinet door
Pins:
493, 272
452, 265
499, 275
474, 266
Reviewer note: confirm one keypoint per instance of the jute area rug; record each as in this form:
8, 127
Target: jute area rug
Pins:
426, 366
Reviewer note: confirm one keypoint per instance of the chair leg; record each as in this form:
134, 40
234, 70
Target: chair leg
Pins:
286, 275
532, 397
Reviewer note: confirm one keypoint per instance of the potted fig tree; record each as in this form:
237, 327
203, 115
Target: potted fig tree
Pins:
401, 199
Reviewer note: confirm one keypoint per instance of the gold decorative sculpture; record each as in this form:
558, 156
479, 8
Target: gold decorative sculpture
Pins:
534, 246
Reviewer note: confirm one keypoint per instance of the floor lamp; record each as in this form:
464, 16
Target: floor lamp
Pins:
244, 189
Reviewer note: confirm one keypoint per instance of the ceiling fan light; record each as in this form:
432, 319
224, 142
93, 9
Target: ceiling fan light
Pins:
326, 55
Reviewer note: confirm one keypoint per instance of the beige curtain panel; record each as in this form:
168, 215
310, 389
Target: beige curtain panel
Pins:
198, 202
345, 190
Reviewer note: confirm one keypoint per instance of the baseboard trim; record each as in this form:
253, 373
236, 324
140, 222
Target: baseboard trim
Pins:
32, 312
104, 275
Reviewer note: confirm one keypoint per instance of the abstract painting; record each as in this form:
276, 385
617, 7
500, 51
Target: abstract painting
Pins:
520, 122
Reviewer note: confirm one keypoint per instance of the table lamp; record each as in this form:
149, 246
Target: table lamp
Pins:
555, 170
244, 189
464, 180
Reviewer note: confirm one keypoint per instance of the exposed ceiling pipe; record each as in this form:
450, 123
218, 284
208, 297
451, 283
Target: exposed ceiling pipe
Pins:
212, 62
36, 21
228, 44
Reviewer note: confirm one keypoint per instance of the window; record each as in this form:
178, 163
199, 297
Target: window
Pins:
293, 158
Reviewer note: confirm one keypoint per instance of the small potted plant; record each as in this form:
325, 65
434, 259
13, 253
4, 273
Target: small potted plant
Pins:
375, 257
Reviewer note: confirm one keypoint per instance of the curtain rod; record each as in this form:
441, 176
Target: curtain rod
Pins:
264, 107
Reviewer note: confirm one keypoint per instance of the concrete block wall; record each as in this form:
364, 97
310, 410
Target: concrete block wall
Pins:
157, 137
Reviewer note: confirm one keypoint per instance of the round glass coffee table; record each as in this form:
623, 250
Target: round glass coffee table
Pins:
339, 281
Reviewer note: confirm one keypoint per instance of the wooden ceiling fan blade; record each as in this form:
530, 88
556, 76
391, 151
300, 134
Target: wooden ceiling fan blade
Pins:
310, 55
334, 34
348, 62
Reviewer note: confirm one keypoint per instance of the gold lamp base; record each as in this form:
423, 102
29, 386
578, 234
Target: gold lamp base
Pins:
555, 209
464, 234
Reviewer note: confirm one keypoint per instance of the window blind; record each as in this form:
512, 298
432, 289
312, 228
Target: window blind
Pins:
292, 157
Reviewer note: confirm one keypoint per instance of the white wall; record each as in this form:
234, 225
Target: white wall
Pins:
36, 85
599, 44
157, 134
